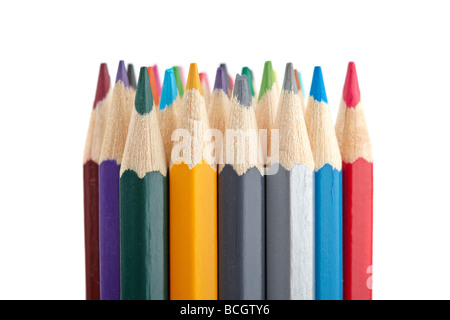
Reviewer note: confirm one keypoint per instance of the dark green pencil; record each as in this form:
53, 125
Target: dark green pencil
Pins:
144, 251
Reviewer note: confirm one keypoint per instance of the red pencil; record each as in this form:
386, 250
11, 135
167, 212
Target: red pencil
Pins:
357, 183
92, 149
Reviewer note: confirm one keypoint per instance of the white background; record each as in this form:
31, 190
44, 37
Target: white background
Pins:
50, 53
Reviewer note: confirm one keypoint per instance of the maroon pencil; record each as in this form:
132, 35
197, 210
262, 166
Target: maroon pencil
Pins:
92, 149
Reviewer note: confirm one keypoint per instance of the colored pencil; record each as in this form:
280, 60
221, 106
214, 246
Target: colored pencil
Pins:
227, 78
151, 75
230, 80
91, 158
300, 90
220, 102
246, 71
109, 193
301, 83
357, 183
144, 227
241, 206
266, 108
193, 206
183, 78
168, 118
254, 83
290, 203
205, 88
328, 193
276, 80
157, 80
179, 82
131, 76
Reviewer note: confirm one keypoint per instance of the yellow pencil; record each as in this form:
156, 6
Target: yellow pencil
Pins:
193, 204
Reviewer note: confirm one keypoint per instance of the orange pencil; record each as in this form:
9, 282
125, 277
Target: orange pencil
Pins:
151, 76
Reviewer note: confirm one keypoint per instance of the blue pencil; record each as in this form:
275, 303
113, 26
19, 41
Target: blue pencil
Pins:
328, 193
168, 111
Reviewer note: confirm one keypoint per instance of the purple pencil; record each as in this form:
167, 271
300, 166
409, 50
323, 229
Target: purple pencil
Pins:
109, 193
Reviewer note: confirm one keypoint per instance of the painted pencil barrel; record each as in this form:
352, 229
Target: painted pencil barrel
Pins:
241, 211
109, 230
193, 232
328, 233
144, 236
357, 184
91, 238
290, 234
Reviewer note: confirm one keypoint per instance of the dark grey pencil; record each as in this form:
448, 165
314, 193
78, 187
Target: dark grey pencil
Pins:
241, 205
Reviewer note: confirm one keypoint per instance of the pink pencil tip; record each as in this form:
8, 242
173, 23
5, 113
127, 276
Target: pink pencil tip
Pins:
351, 93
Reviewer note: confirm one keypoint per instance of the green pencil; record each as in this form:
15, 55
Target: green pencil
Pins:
179, 82
144, 242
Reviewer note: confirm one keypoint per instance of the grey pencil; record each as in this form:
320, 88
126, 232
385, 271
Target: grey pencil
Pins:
290, 203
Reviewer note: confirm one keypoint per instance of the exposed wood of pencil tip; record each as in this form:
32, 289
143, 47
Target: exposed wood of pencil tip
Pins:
355, 135
322, 136
118, 121
99, 113
144, 151
294, 146
242, 119
194, 119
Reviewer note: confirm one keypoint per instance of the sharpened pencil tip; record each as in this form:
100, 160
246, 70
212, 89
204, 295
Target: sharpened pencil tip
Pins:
247, 72
204, 79
289, 82
151, 75
180, 87
297, 80
351, 94
158, 82
169, 90
103, 84
242, 91
144, 99
122, 74
193, 81
227, 79
317, 86
268, 80
221, 81
131, 76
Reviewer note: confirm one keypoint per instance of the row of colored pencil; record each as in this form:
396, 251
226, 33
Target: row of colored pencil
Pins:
287, 214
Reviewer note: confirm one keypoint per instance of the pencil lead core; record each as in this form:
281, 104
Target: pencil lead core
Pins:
221, 82
103, 84
242, 91
268, 79
247, 72
179, 82
169, 90
351, 94
122, 74
144, 98
318, 87
193, 81
227, 78
289, 83
131, 76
